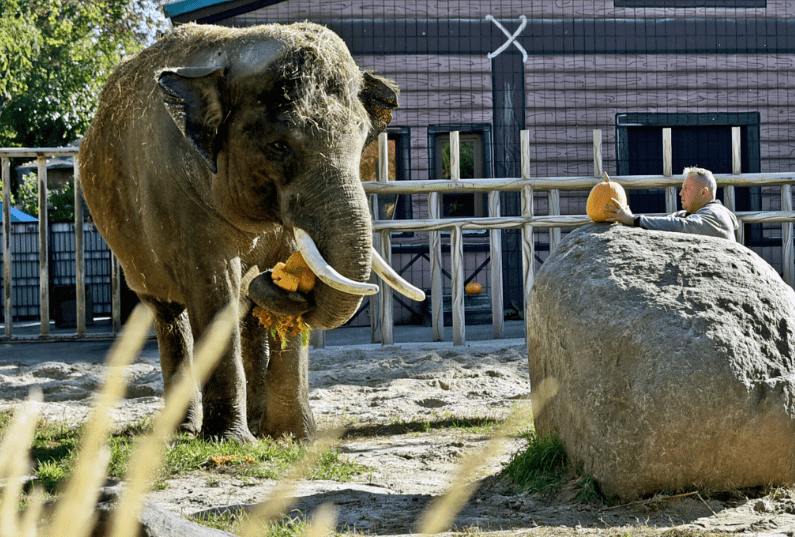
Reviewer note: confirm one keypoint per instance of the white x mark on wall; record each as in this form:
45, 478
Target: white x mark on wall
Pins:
511, 38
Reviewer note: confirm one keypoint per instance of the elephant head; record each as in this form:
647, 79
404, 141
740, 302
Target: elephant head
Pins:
278, 126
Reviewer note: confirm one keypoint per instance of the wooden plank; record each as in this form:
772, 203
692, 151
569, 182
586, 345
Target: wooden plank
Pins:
597, 153
506, 9
80, 265
495, 252
387, 303
528, 245
409, 117
670, 192
667, 152
787, 237
598, 64
384, 301
435, 239
640, 98
430, 100
115, 290
457, 285
44, 248
554, 210
512, 184
8, 310
621, 77
455, 156
431, 71
736, 151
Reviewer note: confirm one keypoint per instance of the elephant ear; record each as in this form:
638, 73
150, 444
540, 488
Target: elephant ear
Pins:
193, 99
379, 96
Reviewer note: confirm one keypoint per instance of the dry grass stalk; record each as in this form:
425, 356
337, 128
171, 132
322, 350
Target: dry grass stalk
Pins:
149, 454
74, 512
441, 512
281, 498
322, 523
15, 461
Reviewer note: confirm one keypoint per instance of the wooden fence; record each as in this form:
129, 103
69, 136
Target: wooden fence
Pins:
526, 185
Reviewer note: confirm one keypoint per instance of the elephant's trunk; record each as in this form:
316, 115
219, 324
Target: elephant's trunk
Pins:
333, 213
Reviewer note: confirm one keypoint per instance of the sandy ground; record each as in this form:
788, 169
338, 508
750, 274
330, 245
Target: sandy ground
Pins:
374, 392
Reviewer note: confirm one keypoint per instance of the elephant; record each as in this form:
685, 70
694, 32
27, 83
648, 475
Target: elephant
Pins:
218, 149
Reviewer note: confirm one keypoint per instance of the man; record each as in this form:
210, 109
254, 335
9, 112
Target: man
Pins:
702, 214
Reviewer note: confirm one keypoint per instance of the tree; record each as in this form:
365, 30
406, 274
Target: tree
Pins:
55, 56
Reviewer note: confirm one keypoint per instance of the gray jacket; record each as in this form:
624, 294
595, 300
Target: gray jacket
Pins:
712, 219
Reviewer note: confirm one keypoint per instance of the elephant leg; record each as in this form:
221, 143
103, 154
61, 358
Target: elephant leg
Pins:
175, 344
224, 392
254, 342
287, 392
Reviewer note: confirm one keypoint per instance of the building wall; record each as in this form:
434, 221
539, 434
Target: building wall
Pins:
587, 62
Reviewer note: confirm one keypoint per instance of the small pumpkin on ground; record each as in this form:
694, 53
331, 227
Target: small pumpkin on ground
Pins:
600, 196
292, 275
473, 288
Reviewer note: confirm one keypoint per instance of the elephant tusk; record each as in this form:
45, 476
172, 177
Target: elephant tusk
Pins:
325, 272
394, 280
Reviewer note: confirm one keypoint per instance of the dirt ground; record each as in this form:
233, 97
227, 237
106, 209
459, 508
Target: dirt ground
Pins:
402, 407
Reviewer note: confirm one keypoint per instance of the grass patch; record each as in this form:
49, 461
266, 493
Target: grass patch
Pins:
543, 467
232, 520
436, 422
55, 447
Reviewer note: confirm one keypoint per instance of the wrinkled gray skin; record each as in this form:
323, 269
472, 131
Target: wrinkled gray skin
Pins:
199, 164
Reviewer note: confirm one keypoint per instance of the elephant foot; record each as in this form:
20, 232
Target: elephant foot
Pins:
302, 428
241, 434
221, 426
192, 423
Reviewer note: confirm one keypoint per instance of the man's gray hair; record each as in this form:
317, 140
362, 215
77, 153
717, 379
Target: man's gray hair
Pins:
705, 177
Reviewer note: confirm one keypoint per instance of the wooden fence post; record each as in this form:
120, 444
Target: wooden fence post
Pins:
787, 253
528, 246
8, 311
80, 265
44, 249
670, 192
386, 297
115, 293
729, 194
495, 245
597, 153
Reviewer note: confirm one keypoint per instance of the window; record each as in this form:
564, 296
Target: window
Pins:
698, 139
391, 206
475, 163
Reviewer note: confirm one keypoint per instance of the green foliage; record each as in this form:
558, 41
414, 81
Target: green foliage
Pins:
541, 466
55, 56
60, 202
50, 474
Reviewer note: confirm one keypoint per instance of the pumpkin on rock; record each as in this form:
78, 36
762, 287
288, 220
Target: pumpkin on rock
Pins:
601, 195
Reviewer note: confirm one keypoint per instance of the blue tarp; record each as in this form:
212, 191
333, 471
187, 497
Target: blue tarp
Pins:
17, 215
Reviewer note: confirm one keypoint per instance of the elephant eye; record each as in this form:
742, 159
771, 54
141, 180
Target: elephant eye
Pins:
278, 151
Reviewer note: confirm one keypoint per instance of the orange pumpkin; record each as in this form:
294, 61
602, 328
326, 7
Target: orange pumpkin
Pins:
294, 275
473, 288
600, 196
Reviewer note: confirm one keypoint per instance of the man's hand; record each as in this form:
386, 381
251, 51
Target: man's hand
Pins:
618, 213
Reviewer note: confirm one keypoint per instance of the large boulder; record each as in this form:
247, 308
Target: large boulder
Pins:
664, 361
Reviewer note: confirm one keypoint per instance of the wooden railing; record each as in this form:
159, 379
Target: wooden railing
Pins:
526, 185
41, 155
